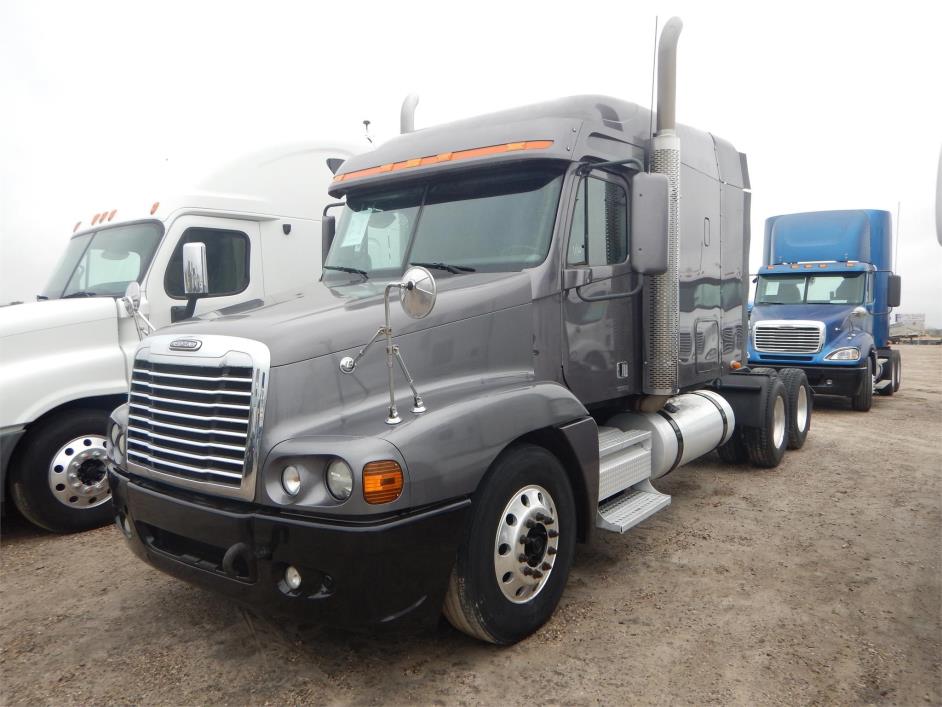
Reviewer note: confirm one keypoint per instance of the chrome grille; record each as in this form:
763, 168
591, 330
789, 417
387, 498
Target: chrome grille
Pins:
788, 337
191, 421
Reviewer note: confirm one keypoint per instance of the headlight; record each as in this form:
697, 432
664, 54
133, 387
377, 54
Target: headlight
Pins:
291, 480
846, 354
339, 479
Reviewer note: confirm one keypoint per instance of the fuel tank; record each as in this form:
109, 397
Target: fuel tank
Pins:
687, 427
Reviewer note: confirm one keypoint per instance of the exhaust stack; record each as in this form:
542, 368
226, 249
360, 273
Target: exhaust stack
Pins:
661, 292
407, 113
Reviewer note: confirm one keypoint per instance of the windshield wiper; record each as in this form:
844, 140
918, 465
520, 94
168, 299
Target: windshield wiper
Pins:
344, 268
453, 269
80, 293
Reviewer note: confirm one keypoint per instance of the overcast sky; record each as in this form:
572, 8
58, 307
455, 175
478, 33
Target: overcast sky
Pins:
837, 105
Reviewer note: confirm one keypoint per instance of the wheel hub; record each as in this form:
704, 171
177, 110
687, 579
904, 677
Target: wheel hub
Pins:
77, 473
526, 544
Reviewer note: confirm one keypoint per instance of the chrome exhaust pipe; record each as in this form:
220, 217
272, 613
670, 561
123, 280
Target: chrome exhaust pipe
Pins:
662, 292
407, 113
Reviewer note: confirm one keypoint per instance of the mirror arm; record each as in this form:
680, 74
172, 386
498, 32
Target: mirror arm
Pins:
418, 405
617, 295
330, 206
348, 364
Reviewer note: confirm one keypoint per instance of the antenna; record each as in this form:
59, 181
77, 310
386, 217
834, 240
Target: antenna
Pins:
366, 129
653, 69
899, 233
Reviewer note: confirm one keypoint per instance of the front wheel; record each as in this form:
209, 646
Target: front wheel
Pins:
863, 400
58, 479
513, 565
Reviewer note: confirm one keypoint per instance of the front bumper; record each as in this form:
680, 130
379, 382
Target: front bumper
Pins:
353, 574
844, 381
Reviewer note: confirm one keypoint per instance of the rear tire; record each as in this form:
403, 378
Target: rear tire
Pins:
863, 400
57, 477
800, 404
493, 594
765, 443
734, 451
897, 369
893, 361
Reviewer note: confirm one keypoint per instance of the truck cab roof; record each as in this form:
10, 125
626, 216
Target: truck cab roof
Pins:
564, 129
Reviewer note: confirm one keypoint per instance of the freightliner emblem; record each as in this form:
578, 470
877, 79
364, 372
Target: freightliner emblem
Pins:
185, 344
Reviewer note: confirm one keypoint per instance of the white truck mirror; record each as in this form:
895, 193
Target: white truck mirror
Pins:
195, 281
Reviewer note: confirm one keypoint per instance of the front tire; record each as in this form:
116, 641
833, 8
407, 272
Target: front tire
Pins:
58, 478
897, 369
513, 565
863, 400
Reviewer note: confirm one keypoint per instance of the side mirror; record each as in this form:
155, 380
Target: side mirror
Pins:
417, 293
132, 298
649, 195
195, 281
894, 287
328, 230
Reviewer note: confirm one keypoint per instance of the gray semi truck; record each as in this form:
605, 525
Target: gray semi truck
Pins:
570, 325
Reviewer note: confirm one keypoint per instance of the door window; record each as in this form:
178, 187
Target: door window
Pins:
599, 233
227, 262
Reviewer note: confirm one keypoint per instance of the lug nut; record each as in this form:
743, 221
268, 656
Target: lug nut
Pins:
521, 557
523, 539
536, 574
527, 571
551, 551
553, 533
546, 566
530, 523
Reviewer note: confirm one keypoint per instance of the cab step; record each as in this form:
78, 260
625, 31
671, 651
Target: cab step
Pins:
624, 459
627, 509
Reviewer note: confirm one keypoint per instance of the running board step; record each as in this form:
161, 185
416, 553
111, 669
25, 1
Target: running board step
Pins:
624, 459
626, 510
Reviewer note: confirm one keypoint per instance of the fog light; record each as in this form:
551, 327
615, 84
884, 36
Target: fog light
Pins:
291, 480
292, 577
339, 479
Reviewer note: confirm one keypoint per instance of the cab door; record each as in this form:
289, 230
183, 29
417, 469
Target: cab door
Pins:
598, 309
233, 261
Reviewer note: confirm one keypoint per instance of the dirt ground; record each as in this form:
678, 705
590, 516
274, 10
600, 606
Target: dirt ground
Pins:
818, 582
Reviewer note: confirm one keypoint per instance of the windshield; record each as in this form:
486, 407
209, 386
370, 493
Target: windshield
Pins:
103, 263
495, 221
811, 289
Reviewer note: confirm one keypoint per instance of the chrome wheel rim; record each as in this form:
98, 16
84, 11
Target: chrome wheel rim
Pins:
77, 474
526, 544
778, 421
801, 409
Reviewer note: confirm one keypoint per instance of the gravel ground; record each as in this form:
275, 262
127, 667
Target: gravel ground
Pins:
817, 582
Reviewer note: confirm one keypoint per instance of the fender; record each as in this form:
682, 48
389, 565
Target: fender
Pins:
470, 432
43, 368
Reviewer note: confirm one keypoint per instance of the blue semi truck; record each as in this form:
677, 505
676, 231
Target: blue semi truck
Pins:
822, 302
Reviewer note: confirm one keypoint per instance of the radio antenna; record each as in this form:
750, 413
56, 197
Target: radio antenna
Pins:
653, 70
366, 129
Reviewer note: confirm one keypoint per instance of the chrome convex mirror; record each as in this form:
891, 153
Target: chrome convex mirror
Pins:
132, 303
195, 281
417, 293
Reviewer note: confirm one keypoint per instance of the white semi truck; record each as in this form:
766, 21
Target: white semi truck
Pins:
65, 360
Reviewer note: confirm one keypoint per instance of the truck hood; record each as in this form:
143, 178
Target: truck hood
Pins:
836, 317
321, 319
34, 316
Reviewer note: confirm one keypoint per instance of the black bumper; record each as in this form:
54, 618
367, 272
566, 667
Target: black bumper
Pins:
844, 381
395, 570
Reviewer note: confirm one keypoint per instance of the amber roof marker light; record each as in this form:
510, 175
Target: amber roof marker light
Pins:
446, 157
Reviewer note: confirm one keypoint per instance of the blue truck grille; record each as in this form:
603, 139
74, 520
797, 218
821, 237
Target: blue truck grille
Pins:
787, 337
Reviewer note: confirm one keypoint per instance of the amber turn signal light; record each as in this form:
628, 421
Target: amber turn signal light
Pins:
382, 481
